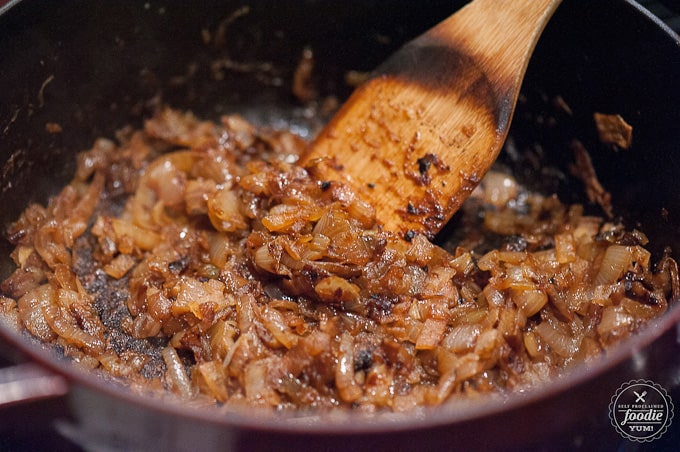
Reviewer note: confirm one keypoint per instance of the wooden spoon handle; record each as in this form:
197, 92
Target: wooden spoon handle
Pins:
418, 136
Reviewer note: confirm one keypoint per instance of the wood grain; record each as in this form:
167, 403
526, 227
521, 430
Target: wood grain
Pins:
419, 135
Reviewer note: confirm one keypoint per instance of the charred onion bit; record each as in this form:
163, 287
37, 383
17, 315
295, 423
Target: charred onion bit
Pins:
192, 258
424, 163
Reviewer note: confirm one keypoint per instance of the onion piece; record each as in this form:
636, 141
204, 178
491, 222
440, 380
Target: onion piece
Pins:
211, 376
462, 337
264, 260
499, 188
256, 384
316, 248
167, 181
615, 323
532, 345
224, 211
348, 388
221, 336
9, 314
616, 260
362, 211
219, 249
50, 245
22, 281
119, 266
487, 343
333, 289
31, 313
145, 326
529, 302
196, 195
559, 342
66, 327
431, 334
143, 238
565, 248
76, 222
275, 323
176, 376
283, 216
191, 294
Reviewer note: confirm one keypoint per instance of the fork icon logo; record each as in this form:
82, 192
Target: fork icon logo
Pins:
641, 410
640, 397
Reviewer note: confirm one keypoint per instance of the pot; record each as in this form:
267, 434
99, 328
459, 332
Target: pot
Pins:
79, 70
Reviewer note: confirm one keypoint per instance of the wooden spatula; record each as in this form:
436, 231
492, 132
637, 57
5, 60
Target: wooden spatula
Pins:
418, 136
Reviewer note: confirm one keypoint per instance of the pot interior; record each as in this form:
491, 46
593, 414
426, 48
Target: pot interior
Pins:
94, 67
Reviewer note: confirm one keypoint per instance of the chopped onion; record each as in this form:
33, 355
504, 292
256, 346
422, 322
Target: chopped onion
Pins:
462, 337
66, 327
431, 334
362, 211
530, 301
221, 335
487, 343
177, 378
275, 323
142, 238
499, 188
617, 259
616, 322
49, 243
168, 181
211, 375
219, 249
145, 326
337, 290
284, 292
565, 248
344, 371
31, 313
224, 211
119, 266
316, 248
532, 345
559, 342
256, 383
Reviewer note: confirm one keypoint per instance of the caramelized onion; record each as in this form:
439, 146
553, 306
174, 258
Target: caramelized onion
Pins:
224, 211
558, 341
616, 260
462, 338
338, 290
275, 323
615, 323
220, 271
31, 311
211, 376
431, 334
143, 238
66, 327
530, 301
177, 378
344, 371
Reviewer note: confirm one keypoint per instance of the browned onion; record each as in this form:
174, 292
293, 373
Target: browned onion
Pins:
616, 260
62, 323
280, 290
177, 378
31, 311
344, 371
